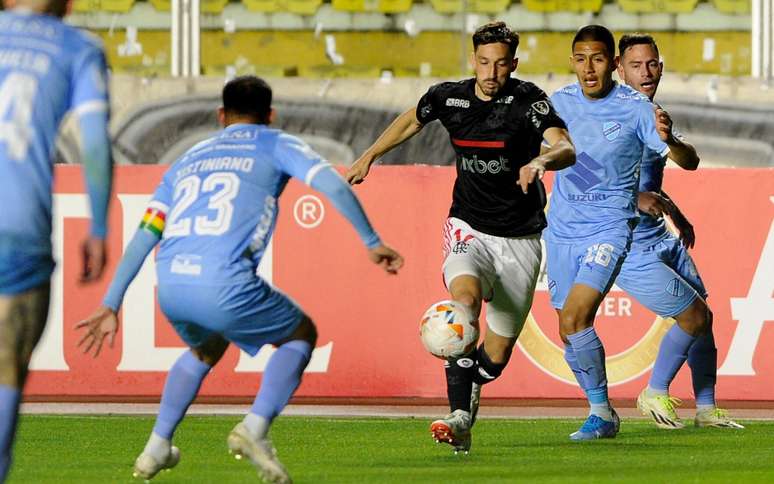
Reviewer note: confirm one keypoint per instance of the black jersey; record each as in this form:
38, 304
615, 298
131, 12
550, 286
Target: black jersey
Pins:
493, 140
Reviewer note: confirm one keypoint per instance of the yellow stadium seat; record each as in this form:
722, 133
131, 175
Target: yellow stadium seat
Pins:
658, 6
563, 5
206, 6
447, 6
302, 7
488, 6
349, 5
118, 6
394, 6
267, 6
732, 6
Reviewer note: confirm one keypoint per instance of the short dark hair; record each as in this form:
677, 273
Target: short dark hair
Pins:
629, 40
248, 96
496, 32
596, 33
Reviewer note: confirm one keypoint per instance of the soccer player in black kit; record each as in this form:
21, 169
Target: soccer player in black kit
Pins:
492, 236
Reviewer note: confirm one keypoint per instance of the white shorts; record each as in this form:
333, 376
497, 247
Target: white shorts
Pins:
508, 268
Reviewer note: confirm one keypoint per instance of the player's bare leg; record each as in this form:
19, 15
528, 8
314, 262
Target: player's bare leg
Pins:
182, 385
576, 320
22, 320
281, 378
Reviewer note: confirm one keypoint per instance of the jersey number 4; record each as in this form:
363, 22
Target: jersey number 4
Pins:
17, 94
225, 187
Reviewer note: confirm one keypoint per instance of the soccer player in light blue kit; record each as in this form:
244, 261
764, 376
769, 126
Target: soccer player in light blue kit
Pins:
213, 215
659, 272
47, 69
593, 209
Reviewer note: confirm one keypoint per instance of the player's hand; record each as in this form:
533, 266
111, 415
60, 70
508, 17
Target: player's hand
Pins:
653, 204
359, 170
94, 258
528, 173
101, 324
386, 258
664, 125
684, 228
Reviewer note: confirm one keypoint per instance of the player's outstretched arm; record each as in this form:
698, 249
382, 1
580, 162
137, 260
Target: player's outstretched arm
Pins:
681, 223
98, 174
104, 321
558, 155
404, 127
680, 151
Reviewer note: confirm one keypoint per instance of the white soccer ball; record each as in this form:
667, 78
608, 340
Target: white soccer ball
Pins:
447, 330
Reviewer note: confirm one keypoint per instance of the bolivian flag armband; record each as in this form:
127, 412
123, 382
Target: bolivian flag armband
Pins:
154, 219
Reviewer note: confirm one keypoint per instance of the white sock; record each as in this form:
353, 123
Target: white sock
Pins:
258, 426
602, 410
704, 408
158, 447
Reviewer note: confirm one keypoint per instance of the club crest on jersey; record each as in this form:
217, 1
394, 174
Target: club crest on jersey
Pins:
457, 103
611, 130
541, 107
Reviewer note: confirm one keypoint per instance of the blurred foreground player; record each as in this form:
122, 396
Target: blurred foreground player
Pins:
492, 236
213, 215
47, 69
659, 272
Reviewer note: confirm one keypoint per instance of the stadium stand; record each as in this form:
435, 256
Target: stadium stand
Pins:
549, 6
115, 6
207, 6
656, 6
394, 6
733, 7
267, 6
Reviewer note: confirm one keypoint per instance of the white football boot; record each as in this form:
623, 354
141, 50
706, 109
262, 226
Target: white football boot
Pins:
261, 453
146, 466
661, 409
454, 429
715, 417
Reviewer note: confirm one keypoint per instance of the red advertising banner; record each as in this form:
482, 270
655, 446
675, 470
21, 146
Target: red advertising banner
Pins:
368, 321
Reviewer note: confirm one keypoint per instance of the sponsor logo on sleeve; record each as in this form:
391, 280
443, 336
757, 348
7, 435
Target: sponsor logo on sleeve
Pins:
541, 107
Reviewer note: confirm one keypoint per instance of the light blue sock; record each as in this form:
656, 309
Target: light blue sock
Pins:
9, 414
703, 361
590, 353
572, 362
671, 355
281, 378
180, 389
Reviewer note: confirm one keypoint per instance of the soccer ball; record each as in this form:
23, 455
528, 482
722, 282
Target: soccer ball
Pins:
447, 330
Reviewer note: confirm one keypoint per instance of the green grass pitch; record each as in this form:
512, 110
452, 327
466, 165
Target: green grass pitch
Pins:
101, 449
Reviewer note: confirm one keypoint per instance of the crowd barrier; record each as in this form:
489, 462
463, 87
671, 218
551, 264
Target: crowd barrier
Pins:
368, 322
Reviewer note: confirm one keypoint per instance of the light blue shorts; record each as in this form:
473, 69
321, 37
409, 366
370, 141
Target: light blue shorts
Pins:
662, 277
593, 262
248, 314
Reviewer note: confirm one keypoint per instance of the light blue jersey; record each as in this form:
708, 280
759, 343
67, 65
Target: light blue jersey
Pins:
46, 69
220, 202
599, 191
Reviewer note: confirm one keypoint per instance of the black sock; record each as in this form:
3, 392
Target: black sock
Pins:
459, 381
486, 370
